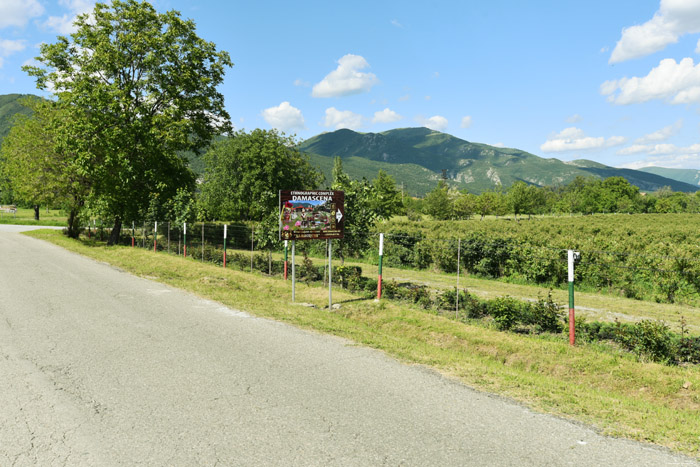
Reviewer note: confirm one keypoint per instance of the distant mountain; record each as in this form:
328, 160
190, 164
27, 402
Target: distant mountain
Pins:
419, 157
682, 175
10, 106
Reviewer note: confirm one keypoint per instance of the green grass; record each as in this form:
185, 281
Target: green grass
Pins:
54, 217
595, 384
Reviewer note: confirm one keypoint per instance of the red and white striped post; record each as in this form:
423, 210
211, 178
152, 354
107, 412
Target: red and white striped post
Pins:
381, 254
225, 227
184, 239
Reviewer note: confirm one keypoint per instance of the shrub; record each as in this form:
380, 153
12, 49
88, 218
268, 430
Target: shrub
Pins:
506, 312
651, 339
308, 272
474, 307
546, 315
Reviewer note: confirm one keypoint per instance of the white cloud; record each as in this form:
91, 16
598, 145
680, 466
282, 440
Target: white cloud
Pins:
302, 83
498, 145
574, 139
466, 122
673, 19
437, 122
575, 118
346, 79
284, 117
682, 161
405, 98
64, 24
8, 47
659, 150
677, 83
662, 134
19, 12
396, 23
342, 119
634, 149
386, 116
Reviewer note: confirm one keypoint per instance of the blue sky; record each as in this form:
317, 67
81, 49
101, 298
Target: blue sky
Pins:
615, 82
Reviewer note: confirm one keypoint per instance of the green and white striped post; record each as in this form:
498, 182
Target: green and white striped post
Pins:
381, 255
572, 256
225, 226
133, 234
155, 237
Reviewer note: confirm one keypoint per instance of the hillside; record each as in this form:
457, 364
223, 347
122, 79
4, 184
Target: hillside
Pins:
419, 157
10, 106
682, 175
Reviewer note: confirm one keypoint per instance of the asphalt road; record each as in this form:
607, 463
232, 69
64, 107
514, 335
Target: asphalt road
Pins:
98, 367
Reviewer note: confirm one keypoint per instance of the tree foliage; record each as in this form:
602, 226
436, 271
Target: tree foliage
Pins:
359, 215
386, 199
137, 86
245, 172
38, 170
438, 202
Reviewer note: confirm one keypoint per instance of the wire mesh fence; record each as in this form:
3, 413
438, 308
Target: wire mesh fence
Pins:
665, 278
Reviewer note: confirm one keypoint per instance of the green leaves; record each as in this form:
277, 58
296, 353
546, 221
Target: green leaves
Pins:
138, 86
245, 172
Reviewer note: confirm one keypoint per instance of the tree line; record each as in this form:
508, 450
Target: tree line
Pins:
584, 195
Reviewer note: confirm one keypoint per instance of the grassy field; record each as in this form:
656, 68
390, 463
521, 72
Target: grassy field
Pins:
53, 217
595, 384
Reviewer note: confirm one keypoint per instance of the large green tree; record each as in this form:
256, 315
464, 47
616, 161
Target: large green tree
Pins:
37, 170
138, 86
245, 172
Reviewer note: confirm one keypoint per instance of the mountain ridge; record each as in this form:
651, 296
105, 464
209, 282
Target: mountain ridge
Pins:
476, 167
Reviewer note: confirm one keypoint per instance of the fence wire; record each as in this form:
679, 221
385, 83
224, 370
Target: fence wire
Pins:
667, 278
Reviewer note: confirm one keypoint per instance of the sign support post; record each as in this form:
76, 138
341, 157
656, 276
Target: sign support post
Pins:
133, 234
330, 277
293, 275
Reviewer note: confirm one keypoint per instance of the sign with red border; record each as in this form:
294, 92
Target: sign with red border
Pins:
311, 215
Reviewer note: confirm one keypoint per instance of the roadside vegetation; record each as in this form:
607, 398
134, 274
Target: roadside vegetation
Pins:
594, 382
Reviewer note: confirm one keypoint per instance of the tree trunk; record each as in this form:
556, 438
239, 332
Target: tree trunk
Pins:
116, 231
73, 230
36, 212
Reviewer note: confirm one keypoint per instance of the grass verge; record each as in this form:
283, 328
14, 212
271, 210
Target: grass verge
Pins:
26, 217
595, 384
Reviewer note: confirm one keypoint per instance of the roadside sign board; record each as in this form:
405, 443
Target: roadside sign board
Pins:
311, 215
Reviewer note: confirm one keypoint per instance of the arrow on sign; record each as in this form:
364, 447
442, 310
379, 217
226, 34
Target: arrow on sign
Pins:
338, 215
